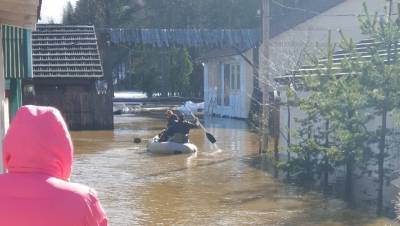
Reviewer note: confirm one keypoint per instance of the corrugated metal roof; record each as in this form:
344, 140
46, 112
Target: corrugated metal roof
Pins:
65, 51
221, 38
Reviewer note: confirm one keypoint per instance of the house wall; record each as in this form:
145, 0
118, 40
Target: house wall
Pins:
287, 50
239, 99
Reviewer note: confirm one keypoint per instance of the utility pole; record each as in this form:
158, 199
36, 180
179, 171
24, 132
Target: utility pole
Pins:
264, 71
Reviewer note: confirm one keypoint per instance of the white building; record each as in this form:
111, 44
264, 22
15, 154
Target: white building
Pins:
228, 82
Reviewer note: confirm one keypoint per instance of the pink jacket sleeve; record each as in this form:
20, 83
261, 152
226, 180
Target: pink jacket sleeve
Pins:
97, 215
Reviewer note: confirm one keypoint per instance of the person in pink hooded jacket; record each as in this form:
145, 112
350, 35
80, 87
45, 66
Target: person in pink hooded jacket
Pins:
35, 190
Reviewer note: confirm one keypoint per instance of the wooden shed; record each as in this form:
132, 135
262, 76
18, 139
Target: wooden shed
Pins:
68, 74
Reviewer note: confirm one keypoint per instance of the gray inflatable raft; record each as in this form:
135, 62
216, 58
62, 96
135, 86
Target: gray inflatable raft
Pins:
170, 148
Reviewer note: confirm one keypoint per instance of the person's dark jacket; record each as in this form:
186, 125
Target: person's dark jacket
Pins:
171, 124
172, 121
181, 131
183, 127
169, 130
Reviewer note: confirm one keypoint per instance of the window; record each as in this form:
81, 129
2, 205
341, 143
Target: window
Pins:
230, 75
227, 79
238, 77
234, 77
218, 84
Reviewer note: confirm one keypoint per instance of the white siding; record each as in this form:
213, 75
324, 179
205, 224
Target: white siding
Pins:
286, 48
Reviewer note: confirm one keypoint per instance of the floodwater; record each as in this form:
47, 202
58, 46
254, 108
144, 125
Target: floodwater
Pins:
225, 186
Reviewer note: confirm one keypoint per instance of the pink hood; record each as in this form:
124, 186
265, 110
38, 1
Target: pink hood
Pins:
36, 191
38, 141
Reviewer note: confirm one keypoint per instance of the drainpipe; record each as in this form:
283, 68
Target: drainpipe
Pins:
2, 103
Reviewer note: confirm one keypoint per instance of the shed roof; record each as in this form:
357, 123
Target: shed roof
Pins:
65, 51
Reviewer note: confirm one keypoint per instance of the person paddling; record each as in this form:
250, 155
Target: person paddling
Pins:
36, 188
167, 133
181, 130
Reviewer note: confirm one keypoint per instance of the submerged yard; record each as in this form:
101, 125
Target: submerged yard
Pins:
216, 186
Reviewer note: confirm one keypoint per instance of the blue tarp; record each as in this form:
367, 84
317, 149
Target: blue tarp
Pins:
238, 38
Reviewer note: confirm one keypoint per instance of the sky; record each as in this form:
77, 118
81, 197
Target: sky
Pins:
53, 9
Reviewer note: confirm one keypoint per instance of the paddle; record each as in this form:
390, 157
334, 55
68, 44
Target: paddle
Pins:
209, 136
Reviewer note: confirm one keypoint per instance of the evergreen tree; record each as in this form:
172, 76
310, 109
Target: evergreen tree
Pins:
333, 130
379, 75
68, 14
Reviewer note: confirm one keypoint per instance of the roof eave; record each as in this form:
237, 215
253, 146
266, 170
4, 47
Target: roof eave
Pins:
20, 13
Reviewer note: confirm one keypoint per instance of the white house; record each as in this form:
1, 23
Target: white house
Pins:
228, 82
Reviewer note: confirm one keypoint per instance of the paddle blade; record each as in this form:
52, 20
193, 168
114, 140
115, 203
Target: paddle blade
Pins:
211, 138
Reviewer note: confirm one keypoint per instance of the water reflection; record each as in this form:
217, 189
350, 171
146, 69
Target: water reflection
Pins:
213, 187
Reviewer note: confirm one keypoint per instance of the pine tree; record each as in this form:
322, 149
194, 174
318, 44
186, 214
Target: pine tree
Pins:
68, 14
333, 130
379, 75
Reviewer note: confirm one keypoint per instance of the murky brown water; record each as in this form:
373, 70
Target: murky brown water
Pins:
212, 187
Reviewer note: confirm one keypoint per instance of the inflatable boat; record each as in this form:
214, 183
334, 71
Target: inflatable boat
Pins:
169, 148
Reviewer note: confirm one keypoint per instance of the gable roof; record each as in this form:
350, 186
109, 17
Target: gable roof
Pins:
65, 51
285, 16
